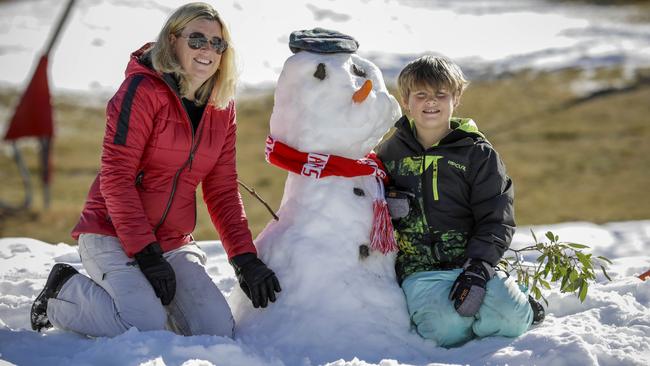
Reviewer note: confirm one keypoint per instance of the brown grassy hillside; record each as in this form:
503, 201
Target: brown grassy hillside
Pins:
572, 155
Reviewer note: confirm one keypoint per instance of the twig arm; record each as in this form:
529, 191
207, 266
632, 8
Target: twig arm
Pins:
254, 193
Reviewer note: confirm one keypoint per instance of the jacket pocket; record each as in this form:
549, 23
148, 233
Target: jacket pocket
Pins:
450, 246
399, 203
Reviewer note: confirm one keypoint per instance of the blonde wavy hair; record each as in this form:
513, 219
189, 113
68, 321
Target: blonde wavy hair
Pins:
431, 71
219, 89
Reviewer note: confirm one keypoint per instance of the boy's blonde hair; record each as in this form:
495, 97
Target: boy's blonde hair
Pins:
219, 89
431, 71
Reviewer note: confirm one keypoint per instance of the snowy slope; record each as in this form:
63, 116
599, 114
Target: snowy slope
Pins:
483, 36
612, 327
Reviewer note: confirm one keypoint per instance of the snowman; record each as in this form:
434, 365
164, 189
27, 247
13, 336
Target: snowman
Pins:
339, 298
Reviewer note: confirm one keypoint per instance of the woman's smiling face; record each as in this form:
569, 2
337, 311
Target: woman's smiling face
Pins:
199, 64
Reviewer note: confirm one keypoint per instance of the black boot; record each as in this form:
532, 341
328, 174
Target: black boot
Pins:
538, 310
59, 274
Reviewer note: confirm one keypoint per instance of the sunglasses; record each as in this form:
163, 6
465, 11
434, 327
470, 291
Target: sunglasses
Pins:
197, 40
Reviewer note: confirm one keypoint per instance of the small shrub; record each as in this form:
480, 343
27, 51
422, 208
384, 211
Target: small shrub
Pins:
562, 261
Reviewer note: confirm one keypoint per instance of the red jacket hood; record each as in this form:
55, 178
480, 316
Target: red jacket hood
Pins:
136, 66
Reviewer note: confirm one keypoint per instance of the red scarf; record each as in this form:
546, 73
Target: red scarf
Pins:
325, 165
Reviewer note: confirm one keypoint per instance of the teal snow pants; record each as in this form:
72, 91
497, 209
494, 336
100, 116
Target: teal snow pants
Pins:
505, 310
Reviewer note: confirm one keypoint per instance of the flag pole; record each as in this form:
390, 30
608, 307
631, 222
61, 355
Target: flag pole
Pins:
45, 141
33, 115
59, 26
24, 174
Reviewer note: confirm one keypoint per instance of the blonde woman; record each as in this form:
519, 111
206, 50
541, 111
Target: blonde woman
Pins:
170, 126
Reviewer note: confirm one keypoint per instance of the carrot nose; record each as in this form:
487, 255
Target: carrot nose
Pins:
361, 94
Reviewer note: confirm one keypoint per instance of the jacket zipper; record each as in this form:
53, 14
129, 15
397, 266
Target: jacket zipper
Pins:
426, 196
436, 252
192, 154
139, 178
429, 183
423, 200
189, 160
435, 179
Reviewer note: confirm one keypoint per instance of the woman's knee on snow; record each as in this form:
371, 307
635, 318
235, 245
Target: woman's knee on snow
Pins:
136, 304
220, 324
144, 316
207, 315
199, 307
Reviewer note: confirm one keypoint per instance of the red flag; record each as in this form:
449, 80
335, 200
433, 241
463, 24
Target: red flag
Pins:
33, 116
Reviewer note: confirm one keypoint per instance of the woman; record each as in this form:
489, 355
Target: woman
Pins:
170, 126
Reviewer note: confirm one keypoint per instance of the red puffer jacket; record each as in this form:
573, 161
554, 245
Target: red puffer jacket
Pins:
152, 163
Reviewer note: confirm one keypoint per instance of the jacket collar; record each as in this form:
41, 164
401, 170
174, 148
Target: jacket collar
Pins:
464, 132
141, 63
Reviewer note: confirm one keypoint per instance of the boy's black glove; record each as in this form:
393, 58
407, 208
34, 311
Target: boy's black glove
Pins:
257, 281
468, 291
158, 271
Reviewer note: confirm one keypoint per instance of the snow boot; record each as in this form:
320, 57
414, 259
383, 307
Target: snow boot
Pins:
59, 275
538, 310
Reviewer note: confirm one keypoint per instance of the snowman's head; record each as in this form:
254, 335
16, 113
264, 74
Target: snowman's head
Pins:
332, 104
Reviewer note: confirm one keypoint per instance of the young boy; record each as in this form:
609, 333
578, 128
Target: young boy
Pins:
452, 208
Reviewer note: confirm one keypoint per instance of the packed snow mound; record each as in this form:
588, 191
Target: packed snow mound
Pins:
612, 326
337, 291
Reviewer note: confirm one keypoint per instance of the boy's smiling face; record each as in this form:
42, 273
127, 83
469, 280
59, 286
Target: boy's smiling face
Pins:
430, 107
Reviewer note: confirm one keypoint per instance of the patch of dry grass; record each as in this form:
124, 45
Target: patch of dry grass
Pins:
570, 159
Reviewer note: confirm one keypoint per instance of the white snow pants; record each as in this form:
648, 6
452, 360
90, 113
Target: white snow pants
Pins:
117, 296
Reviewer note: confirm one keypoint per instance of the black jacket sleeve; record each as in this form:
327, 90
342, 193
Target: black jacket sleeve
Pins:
492, 202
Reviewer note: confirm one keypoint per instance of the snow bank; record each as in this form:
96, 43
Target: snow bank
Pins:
612, 327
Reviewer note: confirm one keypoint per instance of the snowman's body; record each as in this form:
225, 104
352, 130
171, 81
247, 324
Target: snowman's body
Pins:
338, 300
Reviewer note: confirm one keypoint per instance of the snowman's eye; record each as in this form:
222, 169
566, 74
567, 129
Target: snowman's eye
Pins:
358, 71
320, 72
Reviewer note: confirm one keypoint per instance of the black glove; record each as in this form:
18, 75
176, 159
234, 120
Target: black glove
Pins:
158, 271
257, 281
468, 291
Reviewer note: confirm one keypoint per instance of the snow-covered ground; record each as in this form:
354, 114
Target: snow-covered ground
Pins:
612, 326
485, 37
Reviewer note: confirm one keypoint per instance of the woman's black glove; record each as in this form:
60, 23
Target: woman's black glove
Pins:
257, 281
468, 291
158, 271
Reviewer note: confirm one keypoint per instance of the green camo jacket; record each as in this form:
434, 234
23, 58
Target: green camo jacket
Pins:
459, 198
